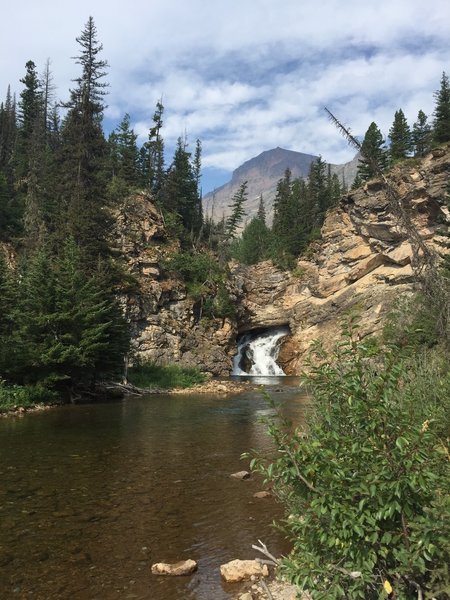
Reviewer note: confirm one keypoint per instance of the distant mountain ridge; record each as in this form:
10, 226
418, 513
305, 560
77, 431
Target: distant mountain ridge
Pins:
263, 173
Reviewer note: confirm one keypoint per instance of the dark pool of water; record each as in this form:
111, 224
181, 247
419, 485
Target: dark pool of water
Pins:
91, 496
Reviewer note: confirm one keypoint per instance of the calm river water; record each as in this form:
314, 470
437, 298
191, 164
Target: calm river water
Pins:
91, 496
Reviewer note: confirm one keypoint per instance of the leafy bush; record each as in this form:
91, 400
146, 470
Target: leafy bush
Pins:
194, 268
204, 282
15, 396
221, 305
365, 482
150, 375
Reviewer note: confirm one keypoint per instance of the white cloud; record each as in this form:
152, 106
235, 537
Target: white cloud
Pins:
245, 76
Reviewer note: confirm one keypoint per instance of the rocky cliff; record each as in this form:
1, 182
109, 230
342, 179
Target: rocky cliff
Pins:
164, 325
363, 261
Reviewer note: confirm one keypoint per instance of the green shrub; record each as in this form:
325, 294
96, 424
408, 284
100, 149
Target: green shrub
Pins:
365, 482
26, 396
205, 282
194, 268
150, 375
221, 305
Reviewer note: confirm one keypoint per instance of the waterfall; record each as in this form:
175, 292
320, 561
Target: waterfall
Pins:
260, 351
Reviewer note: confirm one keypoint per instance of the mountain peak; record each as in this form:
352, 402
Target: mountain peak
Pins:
273, 163
263, 173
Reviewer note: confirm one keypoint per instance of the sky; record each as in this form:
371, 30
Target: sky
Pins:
243, 76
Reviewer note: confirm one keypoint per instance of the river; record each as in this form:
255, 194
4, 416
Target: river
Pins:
92, 495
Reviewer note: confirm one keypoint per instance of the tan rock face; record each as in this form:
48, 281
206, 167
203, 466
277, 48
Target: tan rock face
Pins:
242, 570
362, 263
165, 323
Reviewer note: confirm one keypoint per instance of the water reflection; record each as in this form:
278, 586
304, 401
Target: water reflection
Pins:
92, 495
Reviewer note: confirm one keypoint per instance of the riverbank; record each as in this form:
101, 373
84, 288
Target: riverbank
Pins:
117, 391
20, 411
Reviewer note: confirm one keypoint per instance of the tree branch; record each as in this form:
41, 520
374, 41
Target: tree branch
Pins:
264, 550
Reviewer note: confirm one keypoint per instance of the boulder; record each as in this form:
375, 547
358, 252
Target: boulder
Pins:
184, 567
262, 494
242, 570
240, 475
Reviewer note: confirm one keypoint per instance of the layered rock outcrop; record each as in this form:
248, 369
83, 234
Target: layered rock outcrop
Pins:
362, 262
164, 324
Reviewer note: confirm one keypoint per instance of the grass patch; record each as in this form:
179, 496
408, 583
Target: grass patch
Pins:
150, 375
24, 396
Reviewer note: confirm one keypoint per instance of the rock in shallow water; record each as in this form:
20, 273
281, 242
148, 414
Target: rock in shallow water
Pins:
184, 567
241, 570
240, 475
262, 494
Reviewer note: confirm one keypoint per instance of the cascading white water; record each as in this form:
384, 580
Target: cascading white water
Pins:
262, 351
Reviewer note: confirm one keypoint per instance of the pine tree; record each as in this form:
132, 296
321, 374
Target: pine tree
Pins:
357, 182
10, 207
35, 333
441, 124
69, 329
288, 226
261, 214
421, 135
126, 154
30, 113
83, 154
334, 189
8, 134
281, 217
179, 193
151, 155
374, 153
254, 245
400, 137
237, 211
93, 336
318, 183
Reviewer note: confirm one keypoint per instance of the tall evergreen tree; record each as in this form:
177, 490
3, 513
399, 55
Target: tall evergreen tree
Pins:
179, 193
318, 183
374, 151
126, 154
421, 135
84, 153
8, 134
151, 155
237, 211
261, 214
441, 124
30, 112
400, 137
10, 209
282, 201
